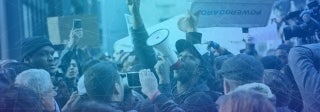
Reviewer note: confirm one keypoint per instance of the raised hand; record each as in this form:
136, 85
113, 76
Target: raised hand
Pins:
74, 37
189, 22
134, 6
149, 83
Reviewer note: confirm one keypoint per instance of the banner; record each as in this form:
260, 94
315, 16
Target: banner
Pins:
232, 13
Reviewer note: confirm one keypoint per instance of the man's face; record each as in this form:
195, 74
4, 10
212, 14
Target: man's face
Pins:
43, 59
282, 55
188, 66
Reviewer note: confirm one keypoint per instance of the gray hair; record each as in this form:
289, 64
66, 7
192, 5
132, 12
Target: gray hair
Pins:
260, 88
37, 80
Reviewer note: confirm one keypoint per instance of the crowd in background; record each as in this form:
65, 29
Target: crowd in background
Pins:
73, 79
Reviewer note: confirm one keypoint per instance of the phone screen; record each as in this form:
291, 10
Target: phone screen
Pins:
133, 80
77, 23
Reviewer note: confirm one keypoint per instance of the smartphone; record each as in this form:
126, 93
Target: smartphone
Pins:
77, 23
133, 80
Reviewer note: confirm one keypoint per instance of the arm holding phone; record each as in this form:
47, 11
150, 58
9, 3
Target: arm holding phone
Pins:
74, 37
149, 86
75, 34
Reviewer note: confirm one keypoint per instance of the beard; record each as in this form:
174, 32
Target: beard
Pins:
185, 73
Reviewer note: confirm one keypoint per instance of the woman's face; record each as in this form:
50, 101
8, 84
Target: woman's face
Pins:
48, 101
73, 70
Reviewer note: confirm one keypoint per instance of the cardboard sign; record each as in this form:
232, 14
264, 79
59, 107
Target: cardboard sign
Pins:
232, 13
60, 27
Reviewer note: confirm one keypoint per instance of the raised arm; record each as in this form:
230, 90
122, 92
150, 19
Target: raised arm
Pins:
145, 53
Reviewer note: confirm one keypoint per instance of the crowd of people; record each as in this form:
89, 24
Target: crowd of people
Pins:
48, 79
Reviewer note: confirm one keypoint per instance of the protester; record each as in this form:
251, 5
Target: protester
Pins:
280, 86
215, 53
250, 50
240, 69
71, 71
140, 36
103, 84
39, 81
37, 52
246, 101
80, 96
217, 84
303, 61
282, 53
189, 87
20, 99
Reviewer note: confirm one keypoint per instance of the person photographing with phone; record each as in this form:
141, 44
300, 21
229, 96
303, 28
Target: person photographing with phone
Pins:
70, 64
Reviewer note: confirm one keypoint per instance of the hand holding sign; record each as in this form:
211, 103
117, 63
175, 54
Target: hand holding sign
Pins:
189, 23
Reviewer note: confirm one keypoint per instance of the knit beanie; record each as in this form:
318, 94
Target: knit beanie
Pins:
32, 44
243, 68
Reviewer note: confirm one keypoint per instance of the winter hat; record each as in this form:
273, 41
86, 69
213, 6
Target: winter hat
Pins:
182, 45
32, 44
242, 67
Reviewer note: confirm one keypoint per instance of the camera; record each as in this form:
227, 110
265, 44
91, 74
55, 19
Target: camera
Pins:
131, 79
303, 24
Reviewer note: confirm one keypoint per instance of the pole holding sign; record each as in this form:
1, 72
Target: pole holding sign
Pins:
232, 13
